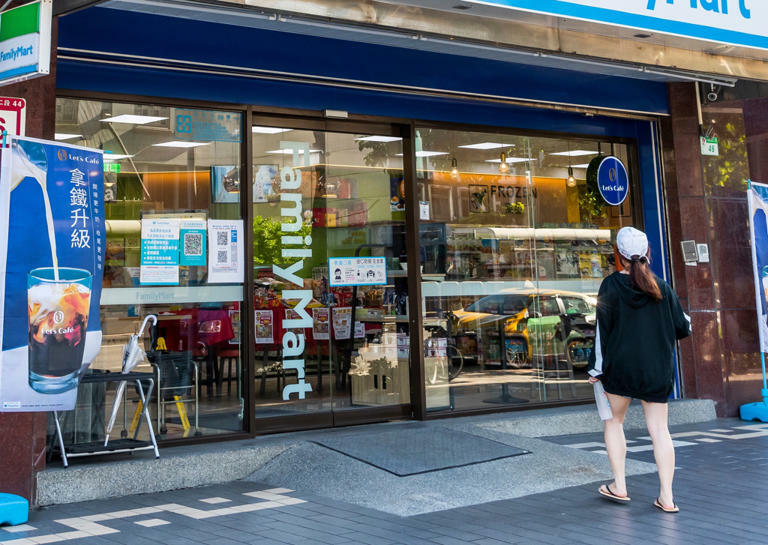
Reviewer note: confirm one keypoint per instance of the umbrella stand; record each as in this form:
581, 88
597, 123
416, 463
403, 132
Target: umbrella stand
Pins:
132, 356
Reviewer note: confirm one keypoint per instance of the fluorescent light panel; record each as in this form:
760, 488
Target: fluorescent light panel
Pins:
181, 144
115, 156
510, 160
290, 151
378, 139
133, 119
425, 153
268, 130
66, 136
487, 145
585, 165
575, 153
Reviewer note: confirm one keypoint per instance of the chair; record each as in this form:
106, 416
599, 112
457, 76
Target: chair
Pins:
230, 357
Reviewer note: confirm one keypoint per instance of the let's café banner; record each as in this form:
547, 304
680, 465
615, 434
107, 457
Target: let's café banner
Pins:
757, 197
52, 243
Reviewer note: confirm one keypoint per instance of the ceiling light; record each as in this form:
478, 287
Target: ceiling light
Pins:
290, 151
503, 165
575, 153
427, 153
585, 165
66, 136
115, 156
571, 180
268, 130
485, 145
454, 168
133, 119
378, 139
181, 144
509, 160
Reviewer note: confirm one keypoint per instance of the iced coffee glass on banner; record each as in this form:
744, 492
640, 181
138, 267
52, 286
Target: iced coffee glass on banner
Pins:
58, 319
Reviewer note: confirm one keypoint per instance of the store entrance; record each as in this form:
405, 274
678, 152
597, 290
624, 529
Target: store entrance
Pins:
329, 270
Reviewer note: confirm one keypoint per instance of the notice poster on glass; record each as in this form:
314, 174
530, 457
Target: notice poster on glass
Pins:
192, 235
321, 327
264, 326
342, 320
159, 252
357, 271
225, 253
52, 251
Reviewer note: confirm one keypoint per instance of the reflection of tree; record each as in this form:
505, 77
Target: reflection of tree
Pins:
730, 170
267, 242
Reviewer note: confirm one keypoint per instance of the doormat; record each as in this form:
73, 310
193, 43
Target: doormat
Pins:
413, 450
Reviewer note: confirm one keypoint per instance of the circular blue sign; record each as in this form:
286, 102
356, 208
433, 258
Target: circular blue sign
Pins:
613, 180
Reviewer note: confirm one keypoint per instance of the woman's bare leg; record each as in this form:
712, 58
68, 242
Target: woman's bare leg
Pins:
663, 449
615, 443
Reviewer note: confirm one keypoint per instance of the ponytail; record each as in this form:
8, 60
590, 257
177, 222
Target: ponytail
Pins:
642, 278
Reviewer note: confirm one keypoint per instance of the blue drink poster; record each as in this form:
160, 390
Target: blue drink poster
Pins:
192, 237
757, 200
52, 240
159, 252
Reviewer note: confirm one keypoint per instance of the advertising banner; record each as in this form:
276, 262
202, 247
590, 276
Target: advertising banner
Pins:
52, 242
757, 199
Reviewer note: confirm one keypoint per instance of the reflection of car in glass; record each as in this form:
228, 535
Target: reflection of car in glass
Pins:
528, 323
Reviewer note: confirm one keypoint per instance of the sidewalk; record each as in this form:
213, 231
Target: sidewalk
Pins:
723, 466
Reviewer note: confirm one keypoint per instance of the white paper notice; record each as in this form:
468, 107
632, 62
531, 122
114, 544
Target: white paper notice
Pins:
159, 252
225, 253
424, 210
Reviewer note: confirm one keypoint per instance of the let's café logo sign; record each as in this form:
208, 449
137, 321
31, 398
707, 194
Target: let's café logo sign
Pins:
25, 42
613, 181
734, 22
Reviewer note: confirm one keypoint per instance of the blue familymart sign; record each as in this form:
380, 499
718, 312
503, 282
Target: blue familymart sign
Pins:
613, 181
735, 22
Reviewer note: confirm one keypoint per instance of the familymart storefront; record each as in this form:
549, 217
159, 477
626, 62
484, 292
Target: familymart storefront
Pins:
360, 231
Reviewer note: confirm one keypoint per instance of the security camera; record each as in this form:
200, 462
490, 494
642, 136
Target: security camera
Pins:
713, 94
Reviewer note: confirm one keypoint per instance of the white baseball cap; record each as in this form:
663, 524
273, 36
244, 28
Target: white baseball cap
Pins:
631, 243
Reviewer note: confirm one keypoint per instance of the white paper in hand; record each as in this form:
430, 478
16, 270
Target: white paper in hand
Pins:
603, 405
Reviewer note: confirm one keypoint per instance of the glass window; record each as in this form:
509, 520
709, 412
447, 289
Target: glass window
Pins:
511, 216
329, 242
174, 168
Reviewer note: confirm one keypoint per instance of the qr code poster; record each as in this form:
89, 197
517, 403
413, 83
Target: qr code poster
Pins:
193, 235
225, 254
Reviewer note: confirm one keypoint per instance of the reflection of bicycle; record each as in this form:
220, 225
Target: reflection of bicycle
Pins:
451, 365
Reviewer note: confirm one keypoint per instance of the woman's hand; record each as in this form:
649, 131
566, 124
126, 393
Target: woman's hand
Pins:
592, 380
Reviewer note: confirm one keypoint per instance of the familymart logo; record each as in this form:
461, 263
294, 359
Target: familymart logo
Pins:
25, 41
716, 6
292, 210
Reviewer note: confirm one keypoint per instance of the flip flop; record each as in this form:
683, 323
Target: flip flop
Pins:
673, 509
605, 490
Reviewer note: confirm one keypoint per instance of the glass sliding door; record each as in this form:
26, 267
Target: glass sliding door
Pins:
514, 245
330, 297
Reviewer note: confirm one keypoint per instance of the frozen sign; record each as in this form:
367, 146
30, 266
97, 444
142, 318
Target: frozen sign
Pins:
357, 271
735, 22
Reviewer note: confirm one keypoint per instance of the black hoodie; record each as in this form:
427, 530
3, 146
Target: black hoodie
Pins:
635, 339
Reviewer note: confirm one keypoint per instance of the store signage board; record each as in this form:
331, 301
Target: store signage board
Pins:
25, 42
613, 181
734, 22
709, 146
13, 115
357, 271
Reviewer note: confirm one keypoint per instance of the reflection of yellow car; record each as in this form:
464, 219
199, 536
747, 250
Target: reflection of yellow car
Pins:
515, 326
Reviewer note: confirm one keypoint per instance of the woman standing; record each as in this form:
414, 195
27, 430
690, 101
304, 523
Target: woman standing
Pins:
639, 319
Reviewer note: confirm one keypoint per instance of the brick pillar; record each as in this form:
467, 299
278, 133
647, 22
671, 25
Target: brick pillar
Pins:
22, 435
702, 357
